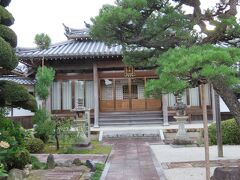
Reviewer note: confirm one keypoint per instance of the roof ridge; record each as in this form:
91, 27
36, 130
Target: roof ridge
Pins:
22, 49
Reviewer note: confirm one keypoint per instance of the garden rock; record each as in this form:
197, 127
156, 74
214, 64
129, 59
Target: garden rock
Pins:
28, 166
226, 173
50, 162
16, 174
91, 165
68, 163
77, 162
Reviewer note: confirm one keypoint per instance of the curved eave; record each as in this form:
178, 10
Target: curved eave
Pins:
72, 49
95, 57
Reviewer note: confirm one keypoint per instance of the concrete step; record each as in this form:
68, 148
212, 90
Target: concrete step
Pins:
131, 133
131, 119
130, 123
129, 114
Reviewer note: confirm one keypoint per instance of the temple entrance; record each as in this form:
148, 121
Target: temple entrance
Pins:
125, 95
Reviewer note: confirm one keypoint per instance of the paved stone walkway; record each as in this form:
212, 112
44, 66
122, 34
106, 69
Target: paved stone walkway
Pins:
131, 159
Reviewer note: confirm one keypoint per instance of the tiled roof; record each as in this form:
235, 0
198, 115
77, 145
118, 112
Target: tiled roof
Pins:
72, 49
79, 45
80, 34
19, 80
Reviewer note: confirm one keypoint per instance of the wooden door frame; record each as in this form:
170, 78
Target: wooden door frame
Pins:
130, 103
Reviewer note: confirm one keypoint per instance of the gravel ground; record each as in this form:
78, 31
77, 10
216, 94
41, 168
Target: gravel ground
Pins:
186, 163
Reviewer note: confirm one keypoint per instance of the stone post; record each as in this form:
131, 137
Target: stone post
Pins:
165, 109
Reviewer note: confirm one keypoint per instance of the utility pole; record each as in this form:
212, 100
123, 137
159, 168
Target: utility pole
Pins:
205, 125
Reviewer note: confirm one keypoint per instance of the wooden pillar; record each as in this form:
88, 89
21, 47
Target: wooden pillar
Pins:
114, 94
165, 109
205, 124
130, 93
145, 99
213, 104
96, 95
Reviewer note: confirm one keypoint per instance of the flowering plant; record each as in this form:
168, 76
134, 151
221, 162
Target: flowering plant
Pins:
3, 145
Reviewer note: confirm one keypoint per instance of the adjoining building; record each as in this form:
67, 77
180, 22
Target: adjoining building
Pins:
19, 114
93, 72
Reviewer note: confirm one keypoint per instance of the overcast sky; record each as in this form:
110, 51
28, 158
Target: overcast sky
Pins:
46, 16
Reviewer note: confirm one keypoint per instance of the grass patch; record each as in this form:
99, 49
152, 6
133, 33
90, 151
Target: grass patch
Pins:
97, 148
97, 174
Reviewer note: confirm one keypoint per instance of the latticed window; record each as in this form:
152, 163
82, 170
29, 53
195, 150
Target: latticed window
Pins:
125, 92
134, 92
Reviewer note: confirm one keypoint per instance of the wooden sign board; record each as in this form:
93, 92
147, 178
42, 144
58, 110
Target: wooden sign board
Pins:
129, 71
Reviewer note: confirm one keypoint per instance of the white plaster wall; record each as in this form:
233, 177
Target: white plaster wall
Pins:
223, 106
20, 112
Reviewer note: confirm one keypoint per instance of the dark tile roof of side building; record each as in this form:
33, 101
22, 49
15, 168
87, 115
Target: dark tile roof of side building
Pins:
19, 80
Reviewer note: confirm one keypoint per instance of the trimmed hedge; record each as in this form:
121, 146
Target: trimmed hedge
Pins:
8, 35
230, 132
17, 157
5, 3
6, 17
8, 59
16, 95
34, 145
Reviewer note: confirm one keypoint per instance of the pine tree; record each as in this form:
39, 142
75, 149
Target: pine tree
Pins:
158, 33
11, 94
45, 75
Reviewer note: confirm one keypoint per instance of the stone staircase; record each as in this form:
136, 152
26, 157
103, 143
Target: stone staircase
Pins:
130, 118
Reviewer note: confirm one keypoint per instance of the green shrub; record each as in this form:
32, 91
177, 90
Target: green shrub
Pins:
230, 132
45, 77
11, 132
6, 17
16, 95
3, 172
44, 126
34, 145
16, 157
36, 164
8, 58
5, 3
40, 116
8, 35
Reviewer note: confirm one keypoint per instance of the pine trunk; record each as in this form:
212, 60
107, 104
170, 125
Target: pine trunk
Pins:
229, 98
